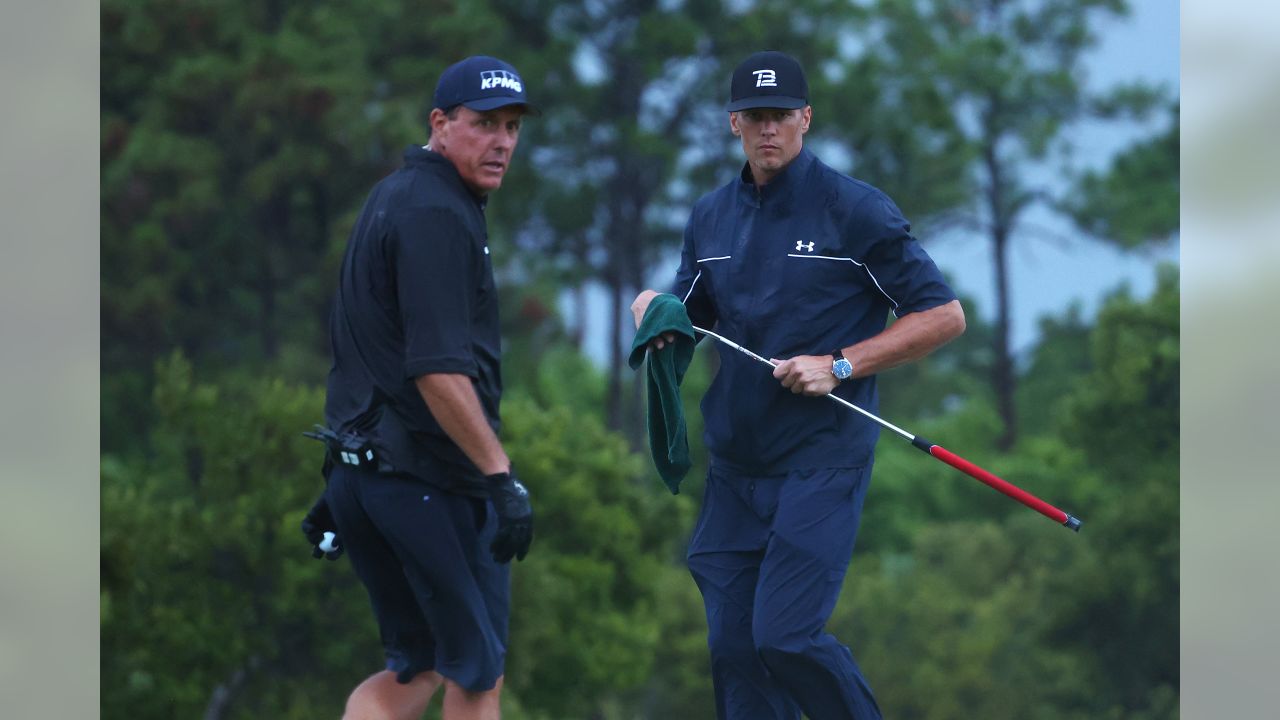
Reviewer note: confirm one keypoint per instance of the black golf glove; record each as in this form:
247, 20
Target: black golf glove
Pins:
515, 517
318, 522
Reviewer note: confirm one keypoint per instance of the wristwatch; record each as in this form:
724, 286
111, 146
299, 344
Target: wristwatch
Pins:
841, 367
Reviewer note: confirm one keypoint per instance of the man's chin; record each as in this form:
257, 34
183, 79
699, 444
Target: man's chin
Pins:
768, 164
485, 185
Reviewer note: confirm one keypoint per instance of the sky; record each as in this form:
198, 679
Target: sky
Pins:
1047, 275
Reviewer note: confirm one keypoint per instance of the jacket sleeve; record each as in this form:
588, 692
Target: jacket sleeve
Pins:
895, 261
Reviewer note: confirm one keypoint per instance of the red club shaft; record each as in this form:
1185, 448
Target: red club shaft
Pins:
937, 451
992, 480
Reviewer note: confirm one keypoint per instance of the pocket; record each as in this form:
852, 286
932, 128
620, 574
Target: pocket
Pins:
699, 526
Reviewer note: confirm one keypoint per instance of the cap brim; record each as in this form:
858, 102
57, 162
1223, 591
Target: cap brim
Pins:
493, 103
766, 101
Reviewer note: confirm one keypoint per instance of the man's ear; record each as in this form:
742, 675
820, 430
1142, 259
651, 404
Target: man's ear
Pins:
437, 121
806, 117
733, 124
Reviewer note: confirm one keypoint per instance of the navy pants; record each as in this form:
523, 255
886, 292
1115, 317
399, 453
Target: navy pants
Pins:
769, 555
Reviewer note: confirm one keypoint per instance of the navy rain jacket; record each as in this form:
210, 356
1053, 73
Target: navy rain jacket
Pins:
809, 263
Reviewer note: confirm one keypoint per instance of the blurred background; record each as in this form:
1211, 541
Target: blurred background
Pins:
1034, 144
237, 144
238, 141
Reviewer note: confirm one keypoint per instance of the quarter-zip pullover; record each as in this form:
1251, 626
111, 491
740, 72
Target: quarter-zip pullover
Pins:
810, 262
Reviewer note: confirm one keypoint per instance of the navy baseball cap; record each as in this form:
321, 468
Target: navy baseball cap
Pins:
768, 79
481, 83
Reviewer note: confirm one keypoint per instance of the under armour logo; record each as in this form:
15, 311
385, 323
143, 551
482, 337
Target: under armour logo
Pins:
801, 246
490, 79
765, 78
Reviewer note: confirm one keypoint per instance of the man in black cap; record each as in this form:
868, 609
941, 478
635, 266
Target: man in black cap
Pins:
421, 495
802, 264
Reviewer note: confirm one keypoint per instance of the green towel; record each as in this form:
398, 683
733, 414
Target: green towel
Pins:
668, 435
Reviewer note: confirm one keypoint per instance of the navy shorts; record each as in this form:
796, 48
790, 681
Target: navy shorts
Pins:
441, 601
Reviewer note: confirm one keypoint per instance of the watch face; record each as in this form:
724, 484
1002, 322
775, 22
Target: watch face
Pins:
842, 369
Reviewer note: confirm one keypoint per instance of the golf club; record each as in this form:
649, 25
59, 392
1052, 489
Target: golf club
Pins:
938, 452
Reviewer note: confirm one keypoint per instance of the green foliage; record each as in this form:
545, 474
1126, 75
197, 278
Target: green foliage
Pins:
1128, 409
1135, 203
679, 685
206, 580
584, 620
1008, 616
955, 626
1057, 366
1126, 418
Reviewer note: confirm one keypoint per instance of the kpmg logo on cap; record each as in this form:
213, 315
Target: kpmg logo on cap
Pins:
490, 79
765, 78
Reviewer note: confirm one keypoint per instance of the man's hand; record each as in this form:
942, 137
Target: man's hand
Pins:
808, 374
638, 308
318, 523
515, 517
641, 304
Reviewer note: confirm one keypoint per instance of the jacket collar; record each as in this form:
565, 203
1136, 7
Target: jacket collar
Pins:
424, 156
782, 185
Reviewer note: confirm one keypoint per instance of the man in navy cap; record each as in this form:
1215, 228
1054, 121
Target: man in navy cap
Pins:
802, 264
421, 495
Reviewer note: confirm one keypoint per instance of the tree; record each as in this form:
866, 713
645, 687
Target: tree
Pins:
1125, 417
955, 606
585, 625
1057, 365
1009, 74
210, 599
1135, 202
955, 626
238, 141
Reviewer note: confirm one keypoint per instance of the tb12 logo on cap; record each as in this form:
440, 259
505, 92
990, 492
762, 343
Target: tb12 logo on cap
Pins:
490, 79
765, 78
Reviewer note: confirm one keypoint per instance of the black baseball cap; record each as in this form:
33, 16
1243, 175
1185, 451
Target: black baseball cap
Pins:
481, 83
768, 79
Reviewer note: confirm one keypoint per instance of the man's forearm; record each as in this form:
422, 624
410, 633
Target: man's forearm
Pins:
453, 402
909, 338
